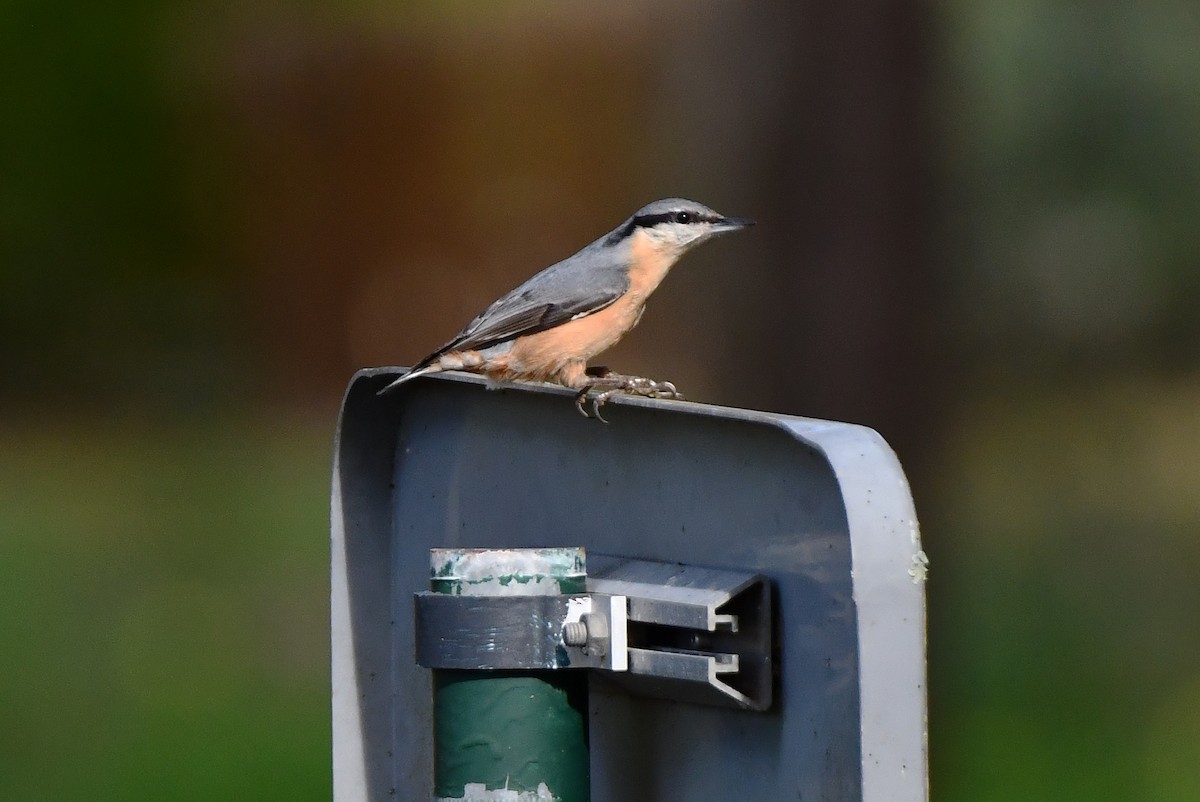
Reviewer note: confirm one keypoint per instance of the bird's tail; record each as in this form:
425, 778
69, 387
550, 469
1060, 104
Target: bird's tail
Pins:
420, 370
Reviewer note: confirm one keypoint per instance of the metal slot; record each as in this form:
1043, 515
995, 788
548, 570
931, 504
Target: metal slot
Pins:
695, 634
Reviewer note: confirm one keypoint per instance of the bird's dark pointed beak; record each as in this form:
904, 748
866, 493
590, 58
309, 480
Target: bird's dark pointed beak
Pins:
733, 224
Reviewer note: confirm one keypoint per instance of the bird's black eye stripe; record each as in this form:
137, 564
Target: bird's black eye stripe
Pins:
651, 220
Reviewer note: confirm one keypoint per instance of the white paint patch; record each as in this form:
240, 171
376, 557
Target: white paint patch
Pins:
577, 608
478, 792
919, 570
508, 572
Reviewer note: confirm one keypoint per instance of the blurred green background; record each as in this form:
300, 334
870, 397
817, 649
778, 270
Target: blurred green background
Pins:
978, 234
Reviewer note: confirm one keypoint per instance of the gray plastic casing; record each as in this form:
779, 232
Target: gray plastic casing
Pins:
821, 508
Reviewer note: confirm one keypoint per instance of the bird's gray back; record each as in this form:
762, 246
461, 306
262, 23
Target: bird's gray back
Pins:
580, 284
597, 271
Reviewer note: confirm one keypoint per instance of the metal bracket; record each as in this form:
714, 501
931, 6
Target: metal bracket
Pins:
520, 632
695, 634
658, 629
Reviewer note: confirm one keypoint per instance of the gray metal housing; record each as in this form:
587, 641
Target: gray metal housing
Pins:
822, 509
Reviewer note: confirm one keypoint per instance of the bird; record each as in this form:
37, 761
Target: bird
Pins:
549, 327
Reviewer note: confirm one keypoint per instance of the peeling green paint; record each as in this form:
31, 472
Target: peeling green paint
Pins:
511, 730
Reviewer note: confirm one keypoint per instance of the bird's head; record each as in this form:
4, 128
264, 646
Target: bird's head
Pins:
676, 225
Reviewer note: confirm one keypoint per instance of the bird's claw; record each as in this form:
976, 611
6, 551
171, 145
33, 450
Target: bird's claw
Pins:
616, 384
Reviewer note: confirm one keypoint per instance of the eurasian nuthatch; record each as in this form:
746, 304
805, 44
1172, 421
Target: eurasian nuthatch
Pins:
549, 327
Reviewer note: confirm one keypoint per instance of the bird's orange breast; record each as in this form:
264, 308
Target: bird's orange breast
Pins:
548, 353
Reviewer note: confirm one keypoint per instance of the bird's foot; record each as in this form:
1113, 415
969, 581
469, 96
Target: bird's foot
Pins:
611, 384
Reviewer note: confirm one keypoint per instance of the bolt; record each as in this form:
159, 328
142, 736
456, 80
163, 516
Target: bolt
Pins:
575, 633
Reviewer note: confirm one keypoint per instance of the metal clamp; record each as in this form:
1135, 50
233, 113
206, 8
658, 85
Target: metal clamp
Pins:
520, 632
695, 634
658, 629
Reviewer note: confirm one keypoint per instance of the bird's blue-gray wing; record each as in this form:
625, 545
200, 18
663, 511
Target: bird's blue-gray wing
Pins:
575, 287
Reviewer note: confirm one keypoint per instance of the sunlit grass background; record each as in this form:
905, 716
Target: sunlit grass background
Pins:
164, 610
1064, 647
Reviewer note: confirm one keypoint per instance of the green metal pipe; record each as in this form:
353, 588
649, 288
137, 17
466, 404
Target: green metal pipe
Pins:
500, 732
